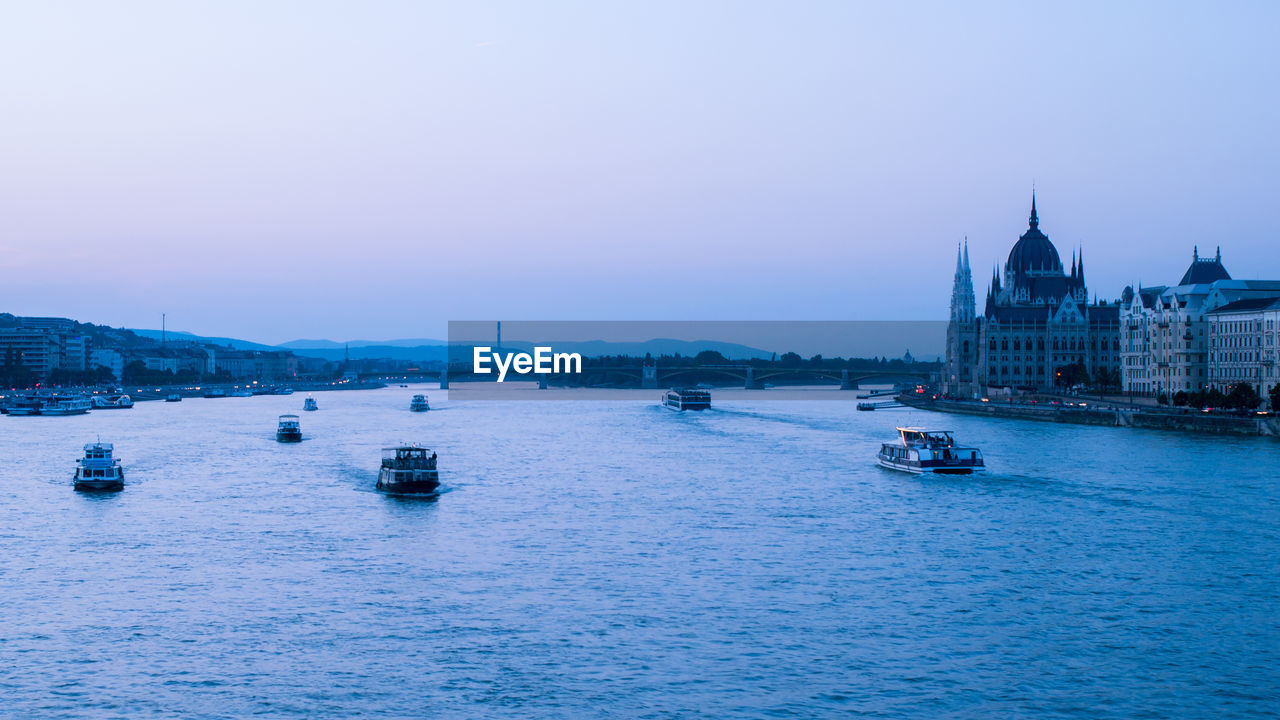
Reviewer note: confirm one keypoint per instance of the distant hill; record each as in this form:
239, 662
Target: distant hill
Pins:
418, 353
428, 349
191, 337
331, 345
409, 349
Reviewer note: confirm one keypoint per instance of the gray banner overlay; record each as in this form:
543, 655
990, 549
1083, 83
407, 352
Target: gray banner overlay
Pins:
791, 360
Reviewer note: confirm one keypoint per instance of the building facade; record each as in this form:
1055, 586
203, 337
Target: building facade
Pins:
1166, 330
1243, 338
1037, 330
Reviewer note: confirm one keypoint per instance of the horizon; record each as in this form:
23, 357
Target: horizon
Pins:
464, 161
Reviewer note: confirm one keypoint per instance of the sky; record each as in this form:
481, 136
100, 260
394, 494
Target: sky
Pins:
283, 170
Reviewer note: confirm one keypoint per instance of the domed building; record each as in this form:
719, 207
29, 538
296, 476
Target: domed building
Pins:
1037, 329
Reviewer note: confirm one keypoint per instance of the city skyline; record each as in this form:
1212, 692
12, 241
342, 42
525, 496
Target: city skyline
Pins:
558, 162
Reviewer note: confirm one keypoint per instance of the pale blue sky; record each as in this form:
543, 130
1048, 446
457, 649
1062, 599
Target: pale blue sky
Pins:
335, 169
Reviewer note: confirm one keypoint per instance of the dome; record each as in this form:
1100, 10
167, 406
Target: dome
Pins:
1033, 253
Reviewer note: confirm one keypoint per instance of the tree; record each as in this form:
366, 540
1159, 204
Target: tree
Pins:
710, 357
1180, 398
1163, 399
790, 360
1243, 397
1070, 375
1275, 397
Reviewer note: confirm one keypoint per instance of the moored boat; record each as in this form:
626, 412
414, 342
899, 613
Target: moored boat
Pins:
408, 469
419, 404
866, 406
922, 450
310, 404
173, 397
687, 399
25, 405
288, 430
98, 469
212, 393
112, 402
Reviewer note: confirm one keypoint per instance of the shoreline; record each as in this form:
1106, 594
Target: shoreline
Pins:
1125, 417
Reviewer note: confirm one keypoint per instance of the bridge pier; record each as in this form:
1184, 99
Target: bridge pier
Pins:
752, 383
845, 382
444, 379
649, 377
542, 382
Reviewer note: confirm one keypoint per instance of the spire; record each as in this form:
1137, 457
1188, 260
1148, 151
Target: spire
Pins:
1082, 268
1034, 220
1218, 258
1195, 253
1073, 264
966, 254
962, 304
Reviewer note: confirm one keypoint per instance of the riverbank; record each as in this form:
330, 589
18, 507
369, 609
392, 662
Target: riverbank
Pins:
1149, 419
161, 392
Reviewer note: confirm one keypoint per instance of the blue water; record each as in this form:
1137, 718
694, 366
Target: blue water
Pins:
613, 559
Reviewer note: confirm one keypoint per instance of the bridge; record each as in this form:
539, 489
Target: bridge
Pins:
747, 376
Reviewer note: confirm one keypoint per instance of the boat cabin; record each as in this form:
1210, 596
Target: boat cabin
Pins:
408, 457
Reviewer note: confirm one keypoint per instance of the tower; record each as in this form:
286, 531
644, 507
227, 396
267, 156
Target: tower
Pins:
959, 370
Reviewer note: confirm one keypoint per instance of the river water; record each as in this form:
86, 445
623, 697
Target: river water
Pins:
614, 559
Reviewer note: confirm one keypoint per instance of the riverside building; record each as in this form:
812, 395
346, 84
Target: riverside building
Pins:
1166, 331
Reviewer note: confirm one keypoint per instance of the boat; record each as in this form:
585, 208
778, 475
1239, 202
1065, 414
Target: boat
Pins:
282, 391
98, 470
922, 450
288, 430
310, 404
419, 404
408, 469
59, 405
173, 397
242, 393
112, 402
25, 405
687, 399
866, 406
215, 393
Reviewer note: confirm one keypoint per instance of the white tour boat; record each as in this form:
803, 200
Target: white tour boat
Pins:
419, 404
408, 469
98, 470
922, 450
686, 399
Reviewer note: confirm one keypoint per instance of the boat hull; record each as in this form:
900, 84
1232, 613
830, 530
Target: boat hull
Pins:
288, 437
917, 468
408, 481
62, 412
99, 485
